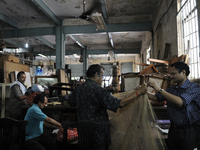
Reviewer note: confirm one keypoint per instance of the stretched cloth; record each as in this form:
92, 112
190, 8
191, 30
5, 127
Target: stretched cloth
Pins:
133, 126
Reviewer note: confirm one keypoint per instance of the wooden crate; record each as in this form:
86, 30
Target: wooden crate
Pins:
9, 66
8, 58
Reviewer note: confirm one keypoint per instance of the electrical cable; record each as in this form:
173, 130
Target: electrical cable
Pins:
164, 15
160, 20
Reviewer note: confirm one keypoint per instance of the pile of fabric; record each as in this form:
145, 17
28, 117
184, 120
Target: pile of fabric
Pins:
133, 126
72, 135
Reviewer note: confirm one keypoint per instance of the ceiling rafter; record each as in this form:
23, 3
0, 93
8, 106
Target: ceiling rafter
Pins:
81, 29
78, 41
8, 20
45, 42
98, 51
46, 10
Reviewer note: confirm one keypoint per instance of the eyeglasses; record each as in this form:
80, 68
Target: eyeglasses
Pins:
45, 103
102, 77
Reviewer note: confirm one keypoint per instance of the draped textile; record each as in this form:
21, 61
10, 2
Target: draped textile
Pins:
133, 126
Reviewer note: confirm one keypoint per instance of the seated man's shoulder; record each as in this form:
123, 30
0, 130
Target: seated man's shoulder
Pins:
15, 86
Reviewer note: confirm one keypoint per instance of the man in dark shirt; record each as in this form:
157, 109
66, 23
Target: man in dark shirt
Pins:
17, 96
93, 101
183, 108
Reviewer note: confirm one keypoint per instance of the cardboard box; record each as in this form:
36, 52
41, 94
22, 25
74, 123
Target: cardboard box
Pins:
9, 58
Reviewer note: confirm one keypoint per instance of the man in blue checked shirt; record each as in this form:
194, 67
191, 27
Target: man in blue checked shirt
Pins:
183, 108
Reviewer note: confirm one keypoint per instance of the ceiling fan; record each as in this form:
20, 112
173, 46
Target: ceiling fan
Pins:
86, 15
92, 16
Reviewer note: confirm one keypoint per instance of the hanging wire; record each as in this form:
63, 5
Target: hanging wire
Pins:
40, 47
2, 42
44, 49
2, 30
50, 56
84, 6
27, 24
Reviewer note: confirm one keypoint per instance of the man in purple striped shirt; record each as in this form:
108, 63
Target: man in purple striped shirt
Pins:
183, 108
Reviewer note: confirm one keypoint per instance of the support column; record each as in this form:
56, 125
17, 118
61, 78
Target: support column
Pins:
85, 62
60, 47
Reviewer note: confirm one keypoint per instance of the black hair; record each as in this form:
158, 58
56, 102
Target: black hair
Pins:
40, 97
93, 69
19, 74
180, 66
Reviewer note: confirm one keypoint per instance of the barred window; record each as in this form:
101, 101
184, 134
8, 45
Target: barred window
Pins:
148, 54
188, 35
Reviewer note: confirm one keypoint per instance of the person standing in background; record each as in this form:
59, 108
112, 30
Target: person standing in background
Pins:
17, 96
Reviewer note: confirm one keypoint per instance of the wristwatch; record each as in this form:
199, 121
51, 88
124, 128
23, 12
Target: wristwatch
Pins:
160, 90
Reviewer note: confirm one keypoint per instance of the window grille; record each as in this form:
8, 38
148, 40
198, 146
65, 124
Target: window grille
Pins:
188, 35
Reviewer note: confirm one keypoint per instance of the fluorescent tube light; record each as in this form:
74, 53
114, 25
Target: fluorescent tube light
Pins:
76, 56
99, 21
42, 55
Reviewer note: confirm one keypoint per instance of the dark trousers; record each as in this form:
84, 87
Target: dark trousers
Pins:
184, 138
42, 142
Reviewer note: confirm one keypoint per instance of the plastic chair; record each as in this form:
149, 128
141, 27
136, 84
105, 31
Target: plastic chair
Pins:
12, 134
91, 135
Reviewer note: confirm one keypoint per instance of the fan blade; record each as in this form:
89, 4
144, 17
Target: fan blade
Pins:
84, 16
11, 47
69, 17
96, 5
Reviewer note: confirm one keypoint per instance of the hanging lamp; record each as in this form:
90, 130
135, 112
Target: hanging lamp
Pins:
27, 43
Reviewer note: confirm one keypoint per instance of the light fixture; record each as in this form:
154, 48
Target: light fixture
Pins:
81, 59
26, 45
111, 53
99, 21
76, 56
42, 55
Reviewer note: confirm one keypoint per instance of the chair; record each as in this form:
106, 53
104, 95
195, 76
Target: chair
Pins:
12, 134
91, 135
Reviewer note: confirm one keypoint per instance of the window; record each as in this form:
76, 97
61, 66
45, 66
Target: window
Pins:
126, 67
188, 35
148, 54
107, 78
76, 70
